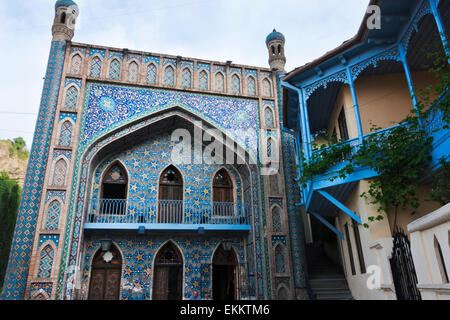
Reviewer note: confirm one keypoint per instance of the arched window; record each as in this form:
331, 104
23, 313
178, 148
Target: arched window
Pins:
46, 262
235, 84
114, 69
71, 98
63, 17
59, 174
151, 73
270, 147
96, 67
273, 50
133, 72
280, 266
251, 86
282, 294
53, 212
114, 190
169, 76
279, 49
269, 119
75, 65
167, 282
65, 136
274, 184
266, 88
220, 82
223, 197
106, 275
225, 272
203, 80
276, 220
170, 196
186, 78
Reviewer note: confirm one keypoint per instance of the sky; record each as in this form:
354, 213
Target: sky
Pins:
218, 30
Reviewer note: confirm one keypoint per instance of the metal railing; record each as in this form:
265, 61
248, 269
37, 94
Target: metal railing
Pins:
102, 211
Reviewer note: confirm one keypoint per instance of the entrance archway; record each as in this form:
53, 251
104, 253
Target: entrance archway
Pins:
106, 275
168, 274
224, 274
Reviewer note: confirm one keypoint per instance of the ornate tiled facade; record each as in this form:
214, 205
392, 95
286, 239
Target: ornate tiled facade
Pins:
105, 105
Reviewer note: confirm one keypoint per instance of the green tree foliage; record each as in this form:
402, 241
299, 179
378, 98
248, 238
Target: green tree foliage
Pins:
400, 155
10, 193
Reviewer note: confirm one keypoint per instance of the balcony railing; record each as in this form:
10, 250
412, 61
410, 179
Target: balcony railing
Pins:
167, 212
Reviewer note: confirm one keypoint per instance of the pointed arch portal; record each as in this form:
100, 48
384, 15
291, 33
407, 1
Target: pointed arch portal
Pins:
106, 275
167, 282
224, 274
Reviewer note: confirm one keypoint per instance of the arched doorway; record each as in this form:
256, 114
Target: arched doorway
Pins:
114, 190
224, 274
170, 196
223, 197
168, 274
106, 275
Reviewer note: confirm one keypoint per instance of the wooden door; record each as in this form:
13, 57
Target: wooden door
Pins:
160, 289
106, 276
170, 196
105, 284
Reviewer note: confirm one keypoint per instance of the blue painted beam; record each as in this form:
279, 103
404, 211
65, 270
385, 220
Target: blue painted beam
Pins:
325, 222
338, 204
165, 227
440, 25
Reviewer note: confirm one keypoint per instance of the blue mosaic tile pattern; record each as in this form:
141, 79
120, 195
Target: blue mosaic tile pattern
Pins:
100, 52
237, 71
186, 78
114, 54
205, 66
151, 58
220, 68
152, 73
297, 237
137, 268
17, 271
235, 84
61, 195
146, 161
71, 98
114, 69
67, 115
46, 262
96, 67
187, 64
167, 61
133, 56
251, 86
74, 223
53, 238
231, 115
70, 81
169, 76
203, 80
133, 72
53, 213
254, 73
78, 49
65, 135
65, 153
41, 287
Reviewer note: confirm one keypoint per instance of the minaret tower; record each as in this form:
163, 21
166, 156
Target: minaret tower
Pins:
275, 44
66, 14
21, 273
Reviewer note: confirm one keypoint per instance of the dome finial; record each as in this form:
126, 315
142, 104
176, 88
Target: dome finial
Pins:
275, 43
